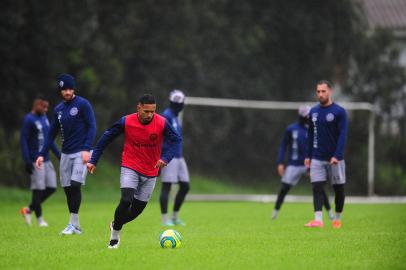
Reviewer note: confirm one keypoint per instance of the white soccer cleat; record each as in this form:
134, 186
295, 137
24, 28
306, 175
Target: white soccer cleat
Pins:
26, 213
70, 229
77, 230
43, 223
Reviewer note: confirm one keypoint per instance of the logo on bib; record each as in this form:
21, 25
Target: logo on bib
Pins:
153, 137
74, 111
330, 117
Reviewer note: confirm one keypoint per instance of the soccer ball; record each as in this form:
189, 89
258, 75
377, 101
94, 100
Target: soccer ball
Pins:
170, 239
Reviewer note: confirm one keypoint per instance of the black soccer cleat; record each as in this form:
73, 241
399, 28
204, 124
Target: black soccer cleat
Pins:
114, 243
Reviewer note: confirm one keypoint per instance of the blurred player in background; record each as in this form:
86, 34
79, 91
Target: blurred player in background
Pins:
325, 156
142, 158
295, 140
43, 180
74, 118
176, 172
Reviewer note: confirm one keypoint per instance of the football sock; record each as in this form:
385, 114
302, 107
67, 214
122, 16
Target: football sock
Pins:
40, 219
36, 202
318, 197
338, 216
47, 193
275, 213
318, 215
339, 197
74, 220
115, 235
281, 196
164, 197
122, 210
164, 218
330, 214
180, 196
175, 215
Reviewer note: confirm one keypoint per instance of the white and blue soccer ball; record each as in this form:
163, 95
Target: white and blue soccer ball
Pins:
170, 239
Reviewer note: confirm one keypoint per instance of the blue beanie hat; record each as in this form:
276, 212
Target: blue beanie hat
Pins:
65, 81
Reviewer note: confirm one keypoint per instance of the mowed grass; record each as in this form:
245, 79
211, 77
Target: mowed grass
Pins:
217, 236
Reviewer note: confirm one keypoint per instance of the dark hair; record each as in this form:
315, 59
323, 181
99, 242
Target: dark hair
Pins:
147, 99
39, 98
329, 85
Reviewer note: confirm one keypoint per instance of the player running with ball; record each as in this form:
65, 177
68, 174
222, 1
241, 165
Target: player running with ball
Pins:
74, 118
176, 172
295, 140
43, 180
142, 158
325, 155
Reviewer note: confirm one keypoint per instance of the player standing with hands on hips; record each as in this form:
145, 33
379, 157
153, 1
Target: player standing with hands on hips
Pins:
295, 140
74, 118
142, 158
176, 172
43, 180
325, 156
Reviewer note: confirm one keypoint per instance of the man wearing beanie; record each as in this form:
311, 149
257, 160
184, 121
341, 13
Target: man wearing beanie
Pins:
295, 140
176, 171
74, 119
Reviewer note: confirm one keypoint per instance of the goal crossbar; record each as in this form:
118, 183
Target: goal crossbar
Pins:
288, 105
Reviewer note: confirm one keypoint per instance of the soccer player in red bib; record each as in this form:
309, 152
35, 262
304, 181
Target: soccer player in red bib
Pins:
142, 158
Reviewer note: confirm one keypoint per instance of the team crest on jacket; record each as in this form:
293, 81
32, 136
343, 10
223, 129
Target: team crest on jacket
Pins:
73, 111
314, 117
330, 117
153, 137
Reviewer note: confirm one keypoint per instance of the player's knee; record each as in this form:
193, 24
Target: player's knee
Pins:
127, 196
317, 187
50, 191
286, 187
138, 205
75, 185
184, 187
164, 195
166, 188
339, 190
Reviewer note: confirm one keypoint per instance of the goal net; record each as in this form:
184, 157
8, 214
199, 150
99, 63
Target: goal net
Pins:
235, 143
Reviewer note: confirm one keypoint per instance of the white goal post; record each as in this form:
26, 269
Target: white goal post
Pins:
283, 105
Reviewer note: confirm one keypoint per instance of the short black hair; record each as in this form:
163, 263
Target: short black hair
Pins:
328, 83
39, 98
147, 99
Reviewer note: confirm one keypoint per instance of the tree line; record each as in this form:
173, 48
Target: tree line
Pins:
264, 50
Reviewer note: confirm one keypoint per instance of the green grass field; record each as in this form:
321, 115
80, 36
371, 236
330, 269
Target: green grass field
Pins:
217, 236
